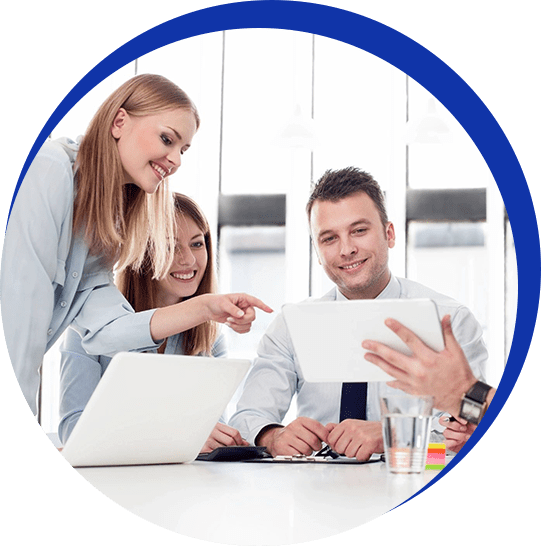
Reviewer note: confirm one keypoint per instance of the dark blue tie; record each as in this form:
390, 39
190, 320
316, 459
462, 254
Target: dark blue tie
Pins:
353, 402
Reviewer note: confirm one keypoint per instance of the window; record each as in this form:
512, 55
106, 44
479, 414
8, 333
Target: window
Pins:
266, 76
454, 220
440, 153
252, 260
451, 258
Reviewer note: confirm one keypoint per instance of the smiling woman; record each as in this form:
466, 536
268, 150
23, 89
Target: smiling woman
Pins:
192, 271
80, 210
151, 147
147, 119
191, 274
189, 265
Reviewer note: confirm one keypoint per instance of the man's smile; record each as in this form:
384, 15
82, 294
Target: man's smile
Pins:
353, 265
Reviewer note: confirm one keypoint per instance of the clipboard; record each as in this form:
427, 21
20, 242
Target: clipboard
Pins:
259, 454
307, 459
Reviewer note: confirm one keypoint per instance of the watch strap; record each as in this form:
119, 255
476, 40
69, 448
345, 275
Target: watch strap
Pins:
478, 392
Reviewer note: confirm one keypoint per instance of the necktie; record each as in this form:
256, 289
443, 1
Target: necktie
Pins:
353, 402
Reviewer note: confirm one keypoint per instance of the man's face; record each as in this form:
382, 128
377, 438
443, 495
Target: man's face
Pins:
352, 244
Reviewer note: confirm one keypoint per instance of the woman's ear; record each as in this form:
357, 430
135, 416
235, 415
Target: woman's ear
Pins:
119, 123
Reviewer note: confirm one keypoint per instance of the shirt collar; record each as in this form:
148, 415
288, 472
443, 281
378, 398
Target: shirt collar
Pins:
391, 291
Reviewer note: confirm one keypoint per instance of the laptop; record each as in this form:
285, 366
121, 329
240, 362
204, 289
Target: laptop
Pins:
153, 409
327, 335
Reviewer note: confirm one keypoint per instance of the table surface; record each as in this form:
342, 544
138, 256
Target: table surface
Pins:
256, 503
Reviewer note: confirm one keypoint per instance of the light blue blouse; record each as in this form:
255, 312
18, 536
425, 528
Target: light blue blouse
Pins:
49, 281
80, 374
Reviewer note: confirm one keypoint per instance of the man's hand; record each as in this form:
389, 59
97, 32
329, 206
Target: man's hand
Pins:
223, 435
302, 436
457, 433
356, 438
445, 375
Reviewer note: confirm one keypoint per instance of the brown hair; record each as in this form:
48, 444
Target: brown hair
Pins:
140, 289
336, 185
117, 220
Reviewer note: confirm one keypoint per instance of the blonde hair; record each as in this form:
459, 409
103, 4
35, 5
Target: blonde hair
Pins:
140, 289
120, 221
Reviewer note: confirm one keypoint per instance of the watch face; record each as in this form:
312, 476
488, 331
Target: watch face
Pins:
471, 411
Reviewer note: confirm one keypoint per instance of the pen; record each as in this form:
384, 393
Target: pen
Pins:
326, 451
452, 419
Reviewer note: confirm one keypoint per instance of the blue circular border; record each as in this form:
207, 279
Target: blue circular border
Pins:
409, 57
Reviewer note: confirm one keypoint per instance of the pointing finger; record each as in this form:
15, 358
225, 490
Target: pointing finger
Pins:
252, 301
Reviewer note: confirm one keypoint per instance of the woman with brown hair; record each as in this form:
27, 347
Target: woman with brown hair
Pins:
191, 274
82, 209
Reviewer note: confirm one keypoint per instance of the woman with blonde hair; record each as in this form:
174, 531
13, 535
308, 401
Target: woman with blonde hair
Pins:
80, 210
191, 274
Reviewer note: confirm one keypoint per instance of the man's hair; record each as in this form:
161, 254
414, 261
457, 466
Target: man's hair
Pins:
336, 185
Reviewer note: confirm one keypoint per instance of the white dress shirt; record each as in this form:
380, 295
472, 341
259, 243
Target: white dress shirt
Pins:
276, 375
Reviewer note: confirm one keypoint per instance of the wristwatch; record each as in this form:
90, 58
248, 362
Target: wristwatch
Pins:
474, 403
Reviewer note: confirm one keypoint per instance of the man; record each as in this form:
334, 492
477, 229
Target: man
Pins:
352, 237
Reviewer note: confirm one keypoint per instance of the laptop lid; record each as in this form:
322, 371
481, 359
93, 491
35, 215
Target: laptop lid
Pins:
327, 335
153, 409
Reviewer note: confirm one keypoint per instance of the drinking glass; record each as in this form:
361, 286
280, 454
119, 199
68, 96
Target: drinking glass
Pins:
406, 431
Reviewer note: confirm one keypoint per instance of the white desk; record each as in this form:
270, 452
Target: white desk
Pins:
256, 503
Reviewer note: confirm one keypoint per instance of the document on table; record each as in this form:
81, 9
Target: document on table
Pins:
298, 459
259, 454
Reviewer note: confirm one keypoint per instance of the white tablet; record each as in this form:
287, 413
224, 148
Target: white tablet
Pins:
327, 336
